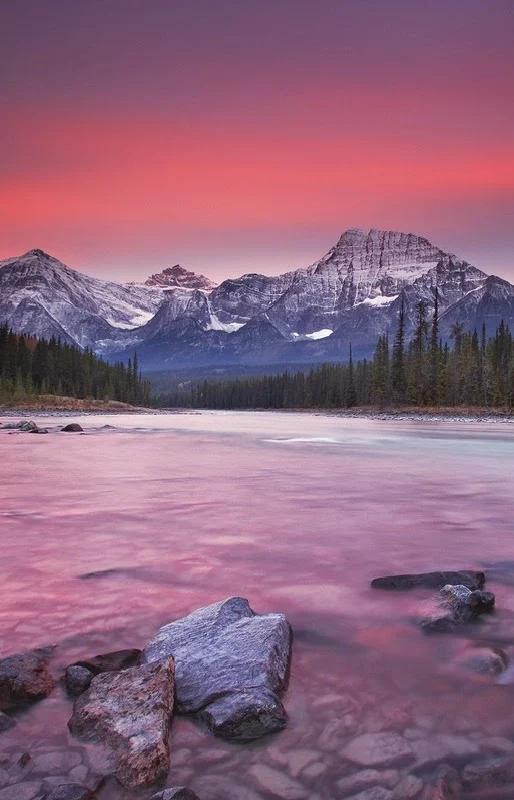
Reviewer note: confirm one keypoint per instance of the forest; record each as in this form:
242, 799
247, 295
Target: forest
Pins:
30, 367
471, 369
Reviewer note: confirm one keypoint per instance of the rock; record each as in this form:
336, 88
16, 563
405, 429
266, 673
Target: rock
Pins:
409, 788
431, 580
21, 791
299, 759
56, 762
79, 675
177, 793
277, 783
25, 678
376, 793
4, 778
39, 430
447, 784
456, 605
79, 773
77, 679
72, 427
129, 713
482, 660
6, 722
22, 425
379, 750
488, 771
231, 667
437, 749
367, 779
69, 791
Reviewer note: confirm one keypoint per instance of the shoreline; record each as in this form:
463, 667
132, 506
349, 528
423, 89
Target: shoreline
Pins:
401, 415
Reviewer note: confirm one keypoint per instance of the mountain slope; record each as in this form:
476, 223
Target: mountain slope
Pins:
352, 294
40, 295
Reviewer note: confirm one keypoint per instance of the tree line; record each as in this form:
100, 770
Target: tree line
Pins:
30, 367
470, 369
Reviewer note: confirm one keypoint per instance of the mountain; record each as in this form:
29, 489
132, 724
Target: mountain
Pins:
177, 276
40, 295
179, 319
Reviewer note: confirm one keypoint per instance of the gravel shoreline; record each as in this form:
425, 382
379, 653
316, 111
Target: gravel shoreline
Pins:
386, 416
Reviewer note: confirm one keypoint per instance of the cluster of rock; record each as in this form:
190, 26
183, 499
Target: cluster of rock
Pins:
29, 426
227, 667
460, 600
224, 664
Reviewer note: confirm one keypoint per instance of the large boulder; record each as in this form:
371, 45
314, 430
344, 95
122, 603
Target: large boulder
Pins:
129, 713
456, 605
79, 675
431, 580
25, 678
231, 667
72, 427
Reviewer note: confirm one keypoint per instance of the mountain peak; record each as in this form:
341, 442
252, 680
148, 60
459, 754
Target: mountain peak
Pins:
175, 276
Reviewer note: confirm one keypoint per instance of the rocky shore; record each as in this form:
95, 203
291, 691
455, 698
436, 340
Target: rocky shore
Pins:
227, 668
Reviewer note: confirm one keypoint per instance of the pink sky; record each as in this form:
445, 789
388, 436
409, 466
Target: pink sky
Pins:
247, 138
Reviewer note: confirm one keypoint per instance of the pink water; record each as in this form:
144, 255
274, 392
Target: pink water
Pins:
297, 513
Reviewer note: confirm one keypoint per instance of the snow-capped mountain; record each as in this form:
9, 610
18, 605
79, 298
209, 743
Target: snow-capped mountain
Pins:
352, 294
40, 295
178, 276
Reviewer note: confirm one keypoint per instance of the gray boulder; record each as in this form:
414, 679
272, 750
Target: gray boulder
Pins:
457, 605
25, 678
176, 793
431, 580
231, 667
72, 427
77, 679
129, 713
22, 425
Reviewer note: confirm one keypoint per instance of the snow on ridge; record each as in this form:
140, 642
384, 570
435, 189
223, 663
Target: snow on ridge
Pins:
322, 334
379, 300
229, 327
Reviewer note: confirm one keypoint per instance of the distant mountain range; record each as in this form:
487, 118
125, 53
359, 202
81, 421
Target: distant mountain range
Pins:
179, 319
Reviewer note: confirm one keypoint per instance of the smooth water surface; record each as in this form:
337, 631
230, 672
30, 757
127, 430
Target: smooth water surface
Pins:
297, 513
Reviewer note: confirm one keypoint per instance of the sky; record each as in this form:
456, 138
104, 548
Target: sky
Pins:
237, 136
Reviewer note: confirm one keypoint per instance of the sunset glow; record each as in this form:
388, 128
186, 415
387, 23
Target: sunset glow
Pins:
245, 137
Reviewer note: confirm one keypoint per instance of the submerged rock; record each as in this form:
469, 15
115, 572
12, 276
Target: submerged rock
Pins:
72, 427
231, 667
446, 785
25, 678
176, 793
6, 722
379, 750
69, 791
78, 676
482, 660
431, 580
457, 605
129, 712
488, 771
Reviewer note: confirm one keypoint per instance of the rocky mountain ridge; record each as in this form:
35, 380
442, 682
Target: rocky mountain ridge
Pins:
352, 294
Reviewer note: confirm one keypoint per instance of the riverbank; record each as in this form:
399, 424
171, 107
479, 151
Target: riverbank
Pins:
51, 402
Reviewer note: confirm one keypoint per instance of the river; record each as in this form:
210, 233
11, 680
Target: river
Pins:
297, 513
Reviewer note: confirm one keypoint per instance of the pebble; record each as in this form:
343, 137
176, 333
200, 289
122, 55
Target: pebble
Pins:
278, 784
379, 750
367, 779
21, 791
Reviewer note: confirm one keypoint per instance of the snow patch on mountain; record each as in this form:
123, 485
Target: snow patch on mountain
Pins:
378, 301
